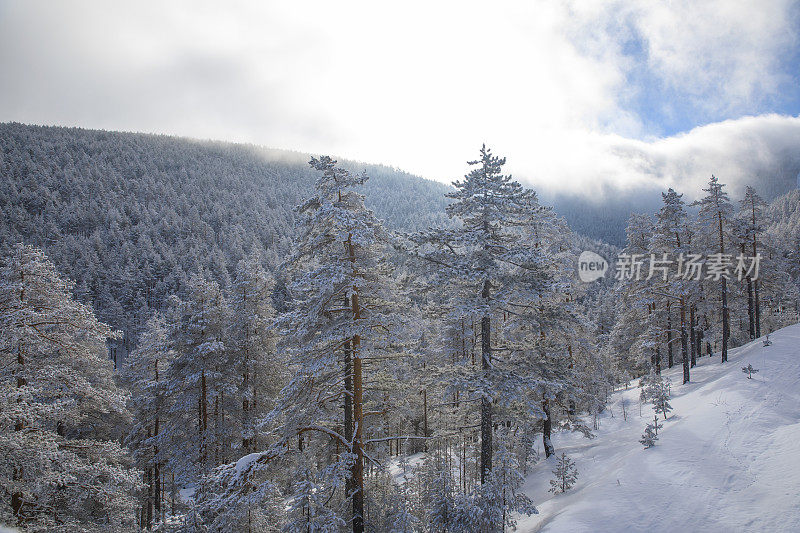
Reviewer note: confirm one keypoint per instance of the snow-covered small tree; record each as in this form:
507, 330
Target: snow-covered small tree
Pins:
749, 370
650, 435
240, 497
566, 474
438, 496
656, 390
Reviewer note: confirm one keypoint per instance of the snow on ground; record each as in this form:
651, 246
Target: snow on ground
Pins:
727, 458
400, 471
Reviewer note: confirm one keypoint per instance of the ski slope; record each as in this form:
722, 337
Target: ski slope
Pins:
727, 459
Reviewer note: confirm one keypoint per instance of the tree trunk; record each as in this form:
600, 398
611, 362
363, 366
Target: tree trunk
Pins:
692, 343
658, 361
751, 313
203, 421
726, 332
358, 414
755, 282
547, 429
670, 358
684, 343
348, 403
756, 285
246, 439
486, 405
699, 339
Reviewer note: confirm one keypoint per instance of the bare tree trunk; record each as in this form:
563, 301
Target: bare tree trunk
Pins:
757, 304
756, 285
547, 429
670, 358
750, 311
692, 334
684, 343
726, 332
247, 441
486, 405
658, 361
348, 403
358, 414
203, 421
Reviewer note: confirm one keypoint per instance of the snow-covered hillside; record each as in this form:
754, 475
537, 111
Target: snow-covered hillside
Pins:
728, 457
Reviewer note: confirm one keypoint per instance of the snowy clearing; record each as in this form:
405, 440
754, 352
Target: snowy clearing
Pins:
727, 458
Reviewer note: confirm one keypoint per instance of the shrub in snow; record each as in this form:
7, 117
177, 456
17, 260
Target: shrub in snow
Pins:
767, 342
749, 370
566, 474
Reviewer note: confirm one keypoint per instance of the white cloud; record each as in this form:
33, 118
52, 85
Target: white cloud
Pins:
746, 151
725, 52
419, 85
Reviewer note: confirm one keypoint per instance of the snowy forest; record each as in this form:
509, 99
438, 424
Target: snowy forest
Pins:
211, 337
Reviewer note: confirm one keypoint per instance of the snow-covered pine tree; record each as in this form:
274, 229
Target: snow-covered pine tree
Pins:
631, 344
199, 430
309, 508
438, 494
144, 374
566, 474
341, 311
649, 437
552, 337
751, 209
673, 297
61, 467
487, 269
656, 389
714, 219
252, 349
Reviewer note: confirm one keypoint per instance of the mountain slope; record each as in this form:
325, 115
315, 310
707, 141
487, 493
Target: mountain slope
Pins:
727, 459
130, 216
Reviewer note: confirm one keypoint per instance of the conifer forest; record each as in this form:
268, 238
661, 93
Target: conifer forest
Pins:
590, 323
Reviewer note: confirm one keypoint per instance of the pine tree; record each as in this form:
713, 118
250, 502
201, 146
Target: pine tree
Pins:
650, 436
484, 266
340, 311
656, 390
673, 238
309, 509
566, 474
59, 408
252, 348
752, 206
144, 372
439, 494
199, 426
714, 219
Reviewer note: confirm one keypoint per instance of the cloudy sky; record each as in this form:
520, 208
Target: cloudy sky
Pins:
579, 95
